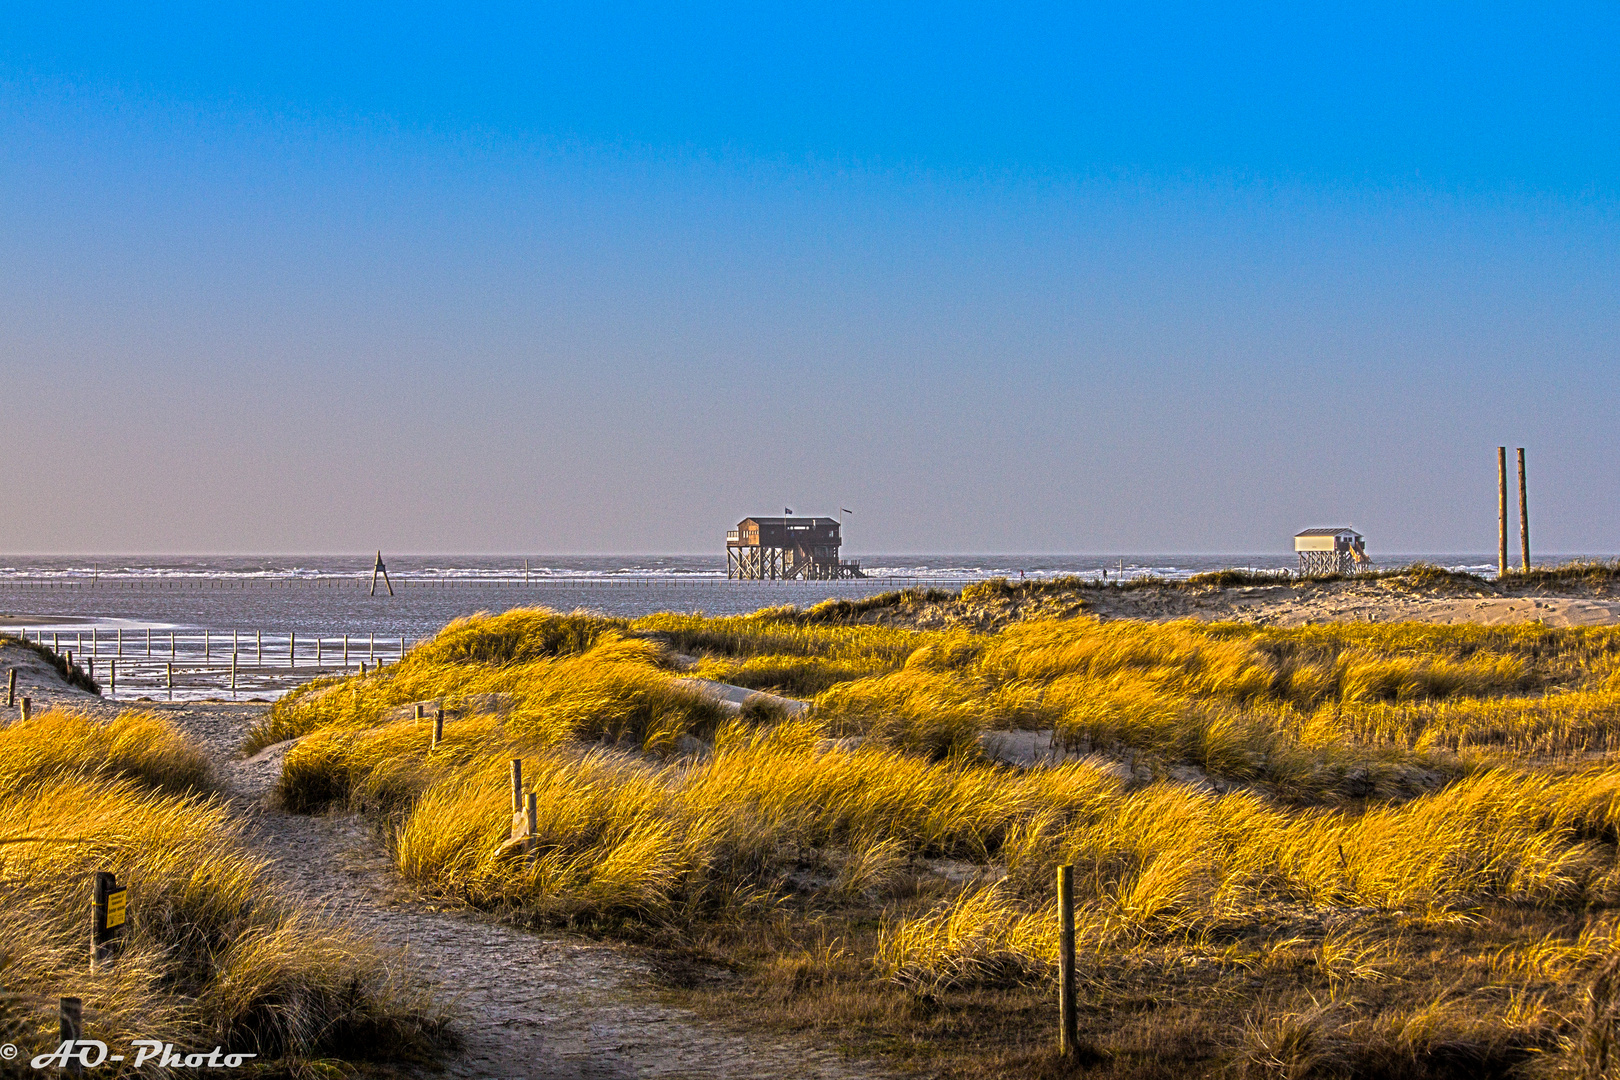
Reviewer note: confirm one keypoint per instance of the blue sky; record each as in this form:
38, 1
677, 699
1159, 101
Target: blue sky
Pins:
484, 278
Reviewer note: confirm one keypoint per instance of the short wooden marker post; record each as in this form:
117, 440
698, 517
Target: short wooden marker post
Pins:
70, 1017
345, 650
258, 648
148, 641
1069, 1032
170, 667
531, 815
517, 784
108, 912
27, 708
292, 649
91, 662
421, 711
11, 688
438, 728
112, 676
233, 675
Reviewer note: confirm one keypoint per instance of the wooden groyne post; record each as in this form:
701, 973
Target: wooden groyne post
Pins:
1524, 515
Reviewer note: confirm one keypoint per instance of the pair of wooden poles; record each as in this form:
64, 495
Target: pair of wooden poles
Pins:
1502, 513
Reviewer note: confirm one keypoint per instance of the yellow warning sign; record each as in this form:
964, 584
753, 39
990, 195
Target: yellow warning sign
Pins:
116, 907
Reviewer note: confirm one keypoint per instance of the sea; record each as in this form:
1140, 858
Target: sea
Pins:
170, 626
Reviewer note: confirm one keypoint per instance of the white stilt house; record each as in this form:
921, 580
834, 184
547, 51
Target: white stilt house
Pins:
1330, 551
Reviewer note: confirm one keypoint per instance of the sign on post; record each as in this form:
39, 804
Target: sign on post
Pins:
117, 907
109, 911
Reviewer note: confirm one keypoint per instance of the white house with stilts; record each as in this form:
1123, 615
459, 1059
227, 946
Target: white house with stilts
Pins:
1330, 551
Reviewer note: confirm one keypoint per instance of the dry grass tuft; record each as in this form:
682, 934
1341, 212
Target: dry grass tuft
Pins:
213, 953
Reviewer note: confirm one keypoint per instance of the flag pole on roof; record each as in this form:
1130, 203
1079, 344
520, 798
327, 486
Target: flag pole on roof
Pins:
787, 511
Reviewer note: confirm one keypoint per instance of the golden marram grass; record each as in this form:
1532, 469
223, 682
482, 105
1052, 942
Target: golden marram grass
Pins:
1346, 850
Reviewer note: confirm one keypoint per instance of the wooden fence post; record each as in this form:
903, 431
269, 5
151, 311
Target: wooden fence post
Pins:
170, 667
112, 676
107, 914
70, 1016
438, 727
1069, 1035
11, 688
517, 785
233, 674
292, 648
27, 708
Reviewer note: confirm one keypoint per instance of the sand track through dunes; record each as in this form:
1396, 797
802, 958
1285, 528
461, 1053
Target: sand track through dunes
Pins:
530, 1005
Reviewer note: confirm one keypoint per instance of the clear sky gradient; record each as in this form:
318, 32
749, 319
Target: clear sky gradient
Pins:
482, 278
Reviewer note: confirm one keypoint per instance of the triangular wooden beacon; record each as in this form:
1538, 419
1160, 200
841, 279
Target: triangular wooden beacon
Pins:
383, 570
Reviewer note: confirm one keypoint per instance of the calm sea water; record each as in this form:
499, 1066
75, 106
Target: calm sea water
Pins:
327, 595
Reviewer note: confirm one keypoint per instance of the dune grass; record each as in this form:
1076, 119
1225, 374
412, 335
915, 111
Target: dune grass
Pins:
1412, 870
71, 673
213, 953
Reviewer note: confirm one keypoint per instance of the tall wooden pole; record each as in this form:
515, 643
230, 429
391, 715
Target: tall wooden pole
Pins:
1501, 511
1524, 515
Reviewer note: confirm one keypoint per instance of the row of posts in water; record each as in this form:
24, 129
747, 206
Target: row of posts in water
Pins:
213, 658
115, 645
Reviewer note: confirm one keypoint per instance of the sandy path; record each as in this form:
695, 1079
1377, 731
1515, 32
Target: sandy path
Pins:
528, 1005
